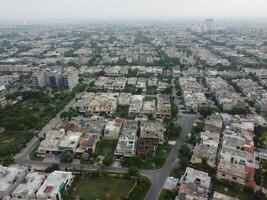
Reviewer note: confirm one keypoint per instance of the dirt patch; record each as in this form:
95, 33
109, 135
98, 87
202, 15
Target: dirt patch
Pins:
7, 141
2, 130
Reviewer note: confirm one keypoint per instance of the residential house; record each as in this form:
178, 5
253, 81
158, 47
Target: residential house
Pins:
151, 135
56, 183
10, 178
136, 105
126, 146
27, 189
113, 129
163, 107
195, 184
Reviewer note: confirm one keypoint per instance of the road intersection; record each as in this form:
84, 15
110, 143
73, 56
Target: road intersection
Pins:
157, 177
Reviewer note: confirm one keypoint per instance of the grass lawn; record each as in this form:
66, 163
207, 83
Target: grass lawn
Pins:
34, 155
130, 88
163, 194
155, 162
106, 147
242, 195
122, 111
261, 137
149, 98
158, 160
102, 187
151, 90
11, 142
27, 116
167, 194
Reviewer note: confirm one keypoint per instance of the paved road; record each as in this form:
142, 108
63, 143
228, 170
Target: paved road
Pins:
23, 155
160, 175
157, 177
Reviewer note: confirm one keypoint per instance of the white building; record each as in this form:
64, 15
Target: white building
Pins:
112, 129
70, 78
10, 178
56, 183
38, 79
28, 188
136, 104
70, 141
50, 144
124, 99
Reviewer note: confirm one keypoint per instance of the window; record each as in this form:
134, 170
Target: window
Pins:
223, 175
234, 178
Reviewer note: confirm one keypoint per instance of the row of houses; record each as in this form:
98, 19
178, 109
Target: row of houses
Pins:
18, 182
121, 83
254, 92
224, 93
107, 103
121, 70
196, 184
227, 145
66, 137
129, 144
193, 93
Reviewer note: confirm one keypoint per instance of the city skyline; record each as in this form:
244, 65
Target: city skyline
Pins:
123, 10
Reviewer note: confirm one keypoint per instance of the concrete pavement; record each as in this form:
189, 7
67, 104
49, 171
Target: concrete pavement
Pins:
157, 177
23, 155
160, 176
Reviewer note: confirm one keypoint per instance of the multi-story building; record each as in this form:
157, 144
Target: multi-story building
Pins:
3, 101
113, 129
225, 94
70, 141
56, 183
149, 108
195, 184
38, 79
102, 104
70, 78
50, 144
151, 135
126, 146
28, 188
66, 78
136, 105
163, 107
10, 178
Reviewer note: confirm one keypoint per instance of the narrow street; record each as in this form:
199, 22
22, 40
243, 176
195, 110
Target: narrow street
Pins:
157, 182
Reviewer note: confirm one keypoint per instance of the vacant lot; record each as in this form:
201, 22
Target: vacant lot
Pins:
103, 187
27, 117
106, 147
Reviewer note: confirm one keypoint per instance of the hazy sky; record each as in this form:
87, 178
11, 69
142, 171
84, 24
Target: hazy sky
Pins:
123, 9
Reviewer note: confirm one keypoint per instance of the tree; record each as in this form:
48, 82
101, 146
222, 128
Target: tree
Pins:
138, 91
132, 161
52, 168
185, 151
108, 160
236, 110
66, 156
174, 109
133, 170
259, 195
173, 130
85, 156
170, 194
150, 117
207, 110
169, 90
8, 160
